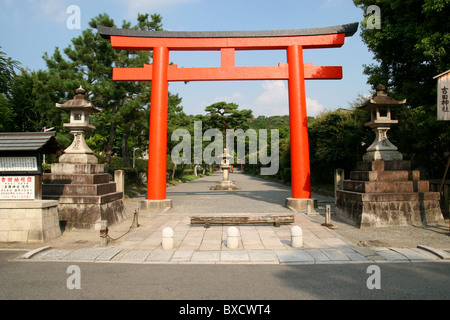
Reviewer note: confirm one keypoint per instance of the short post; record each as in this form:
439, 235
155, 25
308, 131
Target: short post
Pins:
232, 238
327, 214
338, 181
104, 233
135, 218
296, 237
308, 208
119, 179
167, 239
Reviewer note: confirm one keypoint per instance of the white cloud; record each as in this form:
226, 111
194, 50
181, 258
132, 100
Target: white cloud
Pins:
313, 107
55, 9
274, 100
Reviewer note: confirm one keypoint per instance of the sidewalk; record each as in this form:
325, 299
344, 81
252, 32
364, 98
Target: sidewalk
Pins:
258, 243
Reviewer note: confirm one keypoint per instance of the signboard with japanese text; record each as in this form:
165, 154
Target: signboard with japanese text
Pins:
443, 93
17, 187
18, 164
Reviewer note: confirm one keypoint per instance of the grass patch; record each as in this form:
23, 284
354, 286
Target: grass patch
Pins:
133, 190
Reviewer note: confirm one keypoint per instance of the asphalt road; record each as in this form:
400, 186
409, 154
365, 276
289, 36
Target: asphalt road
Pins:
26, 280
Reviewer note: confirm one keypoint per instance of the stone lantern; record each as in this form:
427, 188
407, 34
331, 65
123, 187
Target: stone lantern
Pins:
384, 191
86, 195
380, 106
226, 183
80, 109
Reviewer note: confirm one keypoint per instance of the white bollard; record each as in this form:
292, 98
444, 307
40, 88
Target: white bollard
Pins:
232, 238
296, 237
167, 239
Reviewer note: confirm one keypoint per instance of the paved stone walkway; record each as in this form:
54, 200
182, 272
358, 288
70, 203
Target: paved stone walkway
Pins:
260, 244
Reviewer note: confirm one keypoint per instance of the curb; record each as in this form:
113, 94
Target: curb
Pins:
31, 253
439, 252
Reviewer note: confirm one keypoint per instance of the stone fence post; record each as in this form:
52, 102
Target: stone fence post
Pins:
119, 179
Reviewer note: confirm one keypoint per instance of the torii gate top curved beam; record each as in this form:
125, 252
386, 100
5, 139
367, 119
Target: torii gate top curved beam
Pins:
348, 29
327, 37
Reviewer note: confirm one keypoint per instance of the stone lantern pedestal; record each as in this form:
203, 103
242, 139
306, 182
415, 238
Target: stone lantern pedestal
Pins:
384, 191
84, 191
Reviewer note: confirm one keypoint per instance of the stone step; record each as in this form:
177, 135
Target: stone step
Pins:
380, 165
402, 175
385, 197
71, 168
99, 199
386, 186
78, 189
96, 178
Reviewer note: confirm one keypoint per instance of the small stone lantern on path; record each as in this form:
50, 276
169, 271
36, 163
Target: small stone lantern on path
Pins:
380, 106
80, 109
226, 183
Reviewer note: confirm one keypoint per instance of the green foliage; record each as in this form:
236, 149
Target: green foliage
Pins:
7, 66
336, 142
223, 116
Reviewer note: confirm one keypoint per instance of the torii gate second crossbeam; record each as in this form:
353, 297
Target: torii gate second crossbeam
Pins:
161, 72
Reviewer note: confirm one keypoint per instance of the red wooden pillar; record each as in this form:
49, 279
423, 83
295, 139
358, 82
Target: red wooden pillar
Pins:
300, 165
157, 165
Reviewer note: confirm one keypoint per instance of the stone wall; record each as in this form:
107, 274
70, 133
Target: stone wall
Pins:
29, 221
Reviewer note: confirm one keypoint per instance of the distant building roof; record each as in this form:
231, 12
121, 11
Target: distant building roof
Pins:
42, 142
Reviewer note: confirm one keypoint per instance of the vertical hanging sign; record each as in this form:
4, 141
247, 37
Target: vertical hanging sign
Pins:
443, 93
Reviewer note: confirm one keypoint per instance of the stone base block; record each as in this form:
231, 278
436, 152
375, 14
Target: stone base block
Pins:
385, 155
388, 210
225, 185
77, 168
156, 206
306, 206
78, 158
88, 215
29, 221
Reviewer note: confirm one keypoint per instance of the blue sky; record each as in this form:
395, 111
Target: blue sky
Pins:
31, 27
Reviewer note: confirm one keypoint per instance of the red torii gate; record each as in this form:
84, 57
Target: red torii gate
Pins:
161, 72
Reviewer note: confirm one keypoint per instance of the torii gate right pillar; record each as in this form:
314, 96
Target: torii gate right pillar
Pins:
300, 162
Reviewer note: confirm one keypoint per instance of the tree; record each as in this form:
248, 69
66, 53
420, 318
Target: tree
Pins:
7, 74
336, 141
7, 66
90, 61
223, 116
411, 47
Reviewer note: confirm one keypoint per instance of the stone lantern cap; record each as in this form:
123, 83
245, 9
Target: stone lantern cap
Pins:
381, 98
380, 106
79, 102
79, 108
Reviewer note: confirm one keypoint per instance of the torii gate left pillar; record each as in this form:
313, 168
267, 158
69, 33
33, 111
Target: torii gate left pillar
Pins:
160, 73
